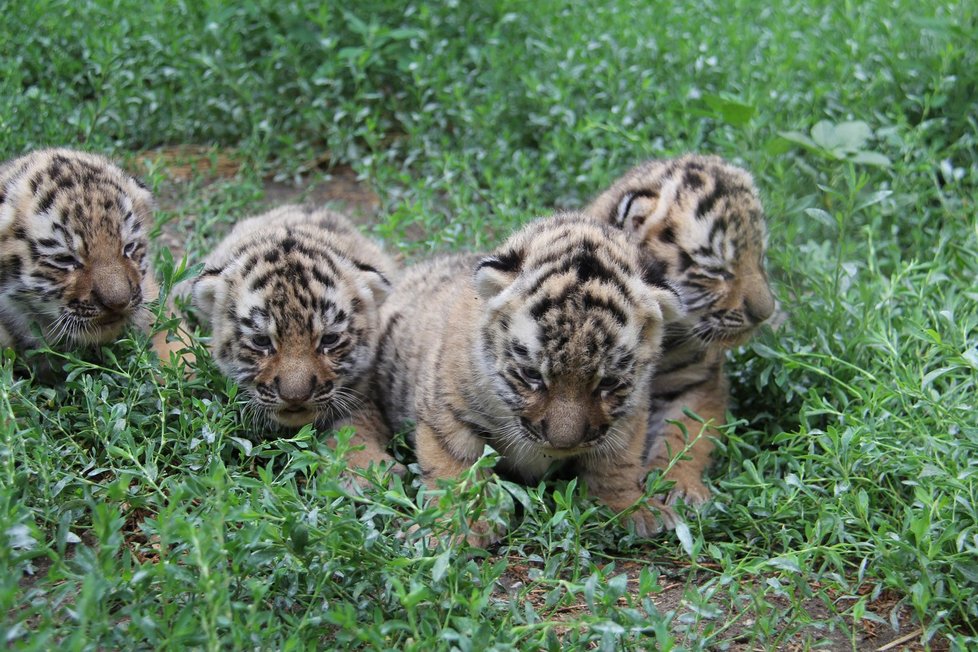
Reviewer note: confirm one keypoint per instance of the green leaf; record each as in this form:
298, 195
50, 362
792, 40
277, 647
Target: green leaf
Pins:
685, 537
299, 538
441, 565
737, 115
799, 139
871, 158
244, 444
842, 137
732, 111
852, 135
822, 216
785, 563
777, 146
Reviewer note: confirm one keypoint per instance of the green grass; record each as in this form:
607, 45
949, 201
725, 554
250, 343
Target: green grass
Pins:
137, 511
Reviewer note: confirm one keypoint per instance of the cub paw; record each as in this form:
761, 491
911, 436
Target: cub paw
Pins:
354, 482
689, 487
653, 519
481, 534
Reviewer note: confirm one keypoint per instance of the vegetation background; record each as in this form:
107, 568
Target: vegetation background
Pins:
138, 511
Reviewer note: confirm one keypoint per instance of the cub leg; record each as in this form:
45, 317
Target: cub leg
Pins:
369, 441
446, 449
693, 448
618, 482
180, 345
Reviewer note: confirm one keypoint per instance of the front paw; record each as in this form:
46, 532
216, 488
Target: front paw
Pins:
357, 480
653, 518
483, 534
689, 488
480, 534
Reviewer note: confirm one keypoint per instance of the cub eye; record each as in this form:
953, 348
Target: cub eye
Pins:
531, 376
714, 272
519, 350
609, 383
66, 261
329, 340
129, 249
263, 342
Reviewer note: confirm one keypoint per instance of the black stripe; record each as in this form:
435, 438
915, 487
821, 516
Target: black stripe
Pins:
706, 204
651, 437
461, 417
655, 274
324, 280
592, 302
692, 179
673, 394
587, 267
508, 261
694, 359
363, 267
628, 205
46, 201
720, 225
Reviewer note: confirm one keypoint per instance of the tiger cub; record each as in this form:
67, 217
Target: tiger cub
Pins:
73, 250
700, 221
292, 299
542, 349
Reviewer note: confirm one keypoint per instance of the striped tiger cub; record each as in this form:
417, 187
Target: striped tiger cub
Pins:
700, 221
542, 349
74, 259
292, 298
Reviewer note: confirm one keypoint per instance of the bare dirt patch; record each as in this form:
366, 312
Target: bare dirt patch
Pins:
194, 172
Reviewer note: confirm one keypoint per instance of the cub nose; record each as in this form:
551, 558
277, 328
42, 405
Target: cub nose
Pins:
111, 288
294, 388
759, 305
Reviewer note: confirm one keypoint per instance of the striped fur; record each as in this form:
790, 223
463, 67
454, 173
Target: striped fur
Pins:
699, 220
542, 350
292, 299
73, 250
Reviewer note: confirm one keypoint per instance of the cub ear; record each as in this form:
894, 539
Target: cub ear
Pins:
140, 192
379, 285
640, 210
495, 273
209, 290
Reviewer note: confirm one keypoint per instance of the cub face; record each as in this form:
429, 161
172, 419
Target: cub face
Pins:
294, 321
73, 246
700, 220
569, 335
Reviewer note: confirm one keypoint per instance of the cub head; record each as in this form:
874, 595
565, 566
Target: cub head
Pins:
700, 222
293, 322
570, 333
73, 245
